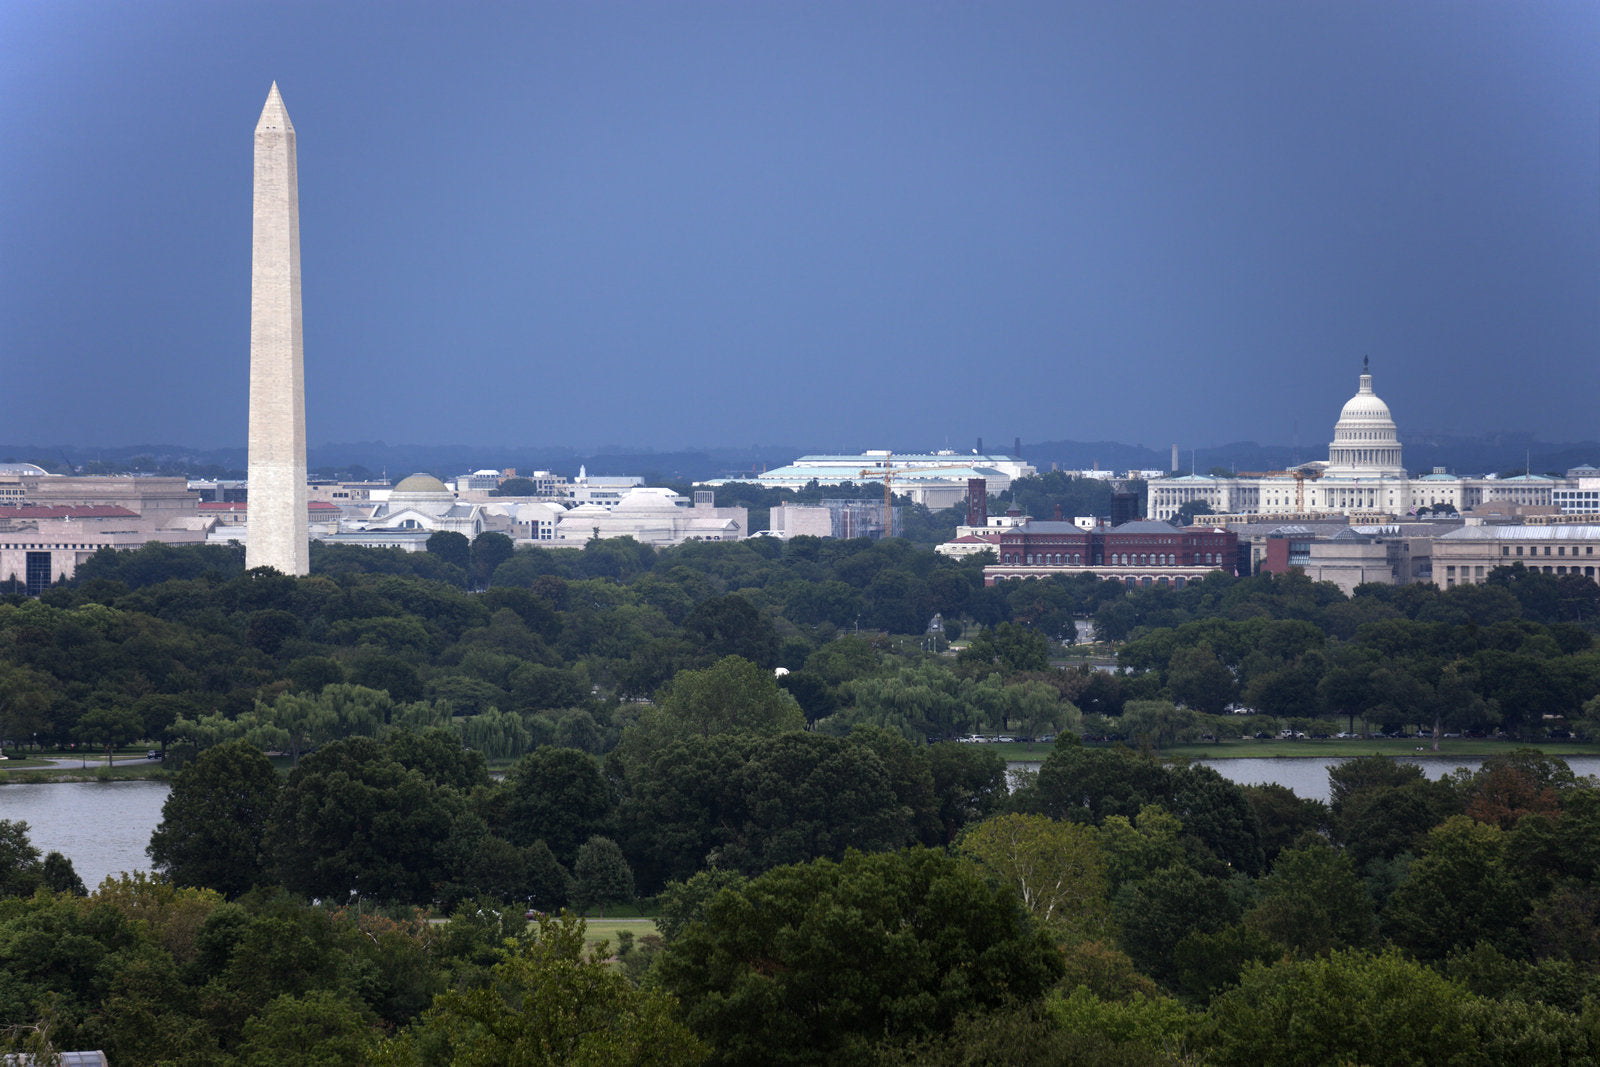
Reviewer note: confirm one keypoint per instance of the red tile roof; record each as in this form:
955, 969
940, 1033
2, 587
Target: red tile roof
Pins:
241, 506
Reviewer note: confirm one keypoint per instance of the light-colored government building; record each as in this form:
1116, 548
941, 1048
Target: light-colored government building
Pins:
1363, 479
935, 480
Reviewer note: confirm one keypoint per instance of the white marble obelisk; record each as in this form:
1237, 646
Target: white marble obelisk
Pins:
278, 532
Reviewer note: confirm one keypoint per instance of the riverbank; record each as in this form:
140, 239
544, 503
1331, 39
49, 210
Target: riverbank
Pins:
1306, 748
133, 766
130, 766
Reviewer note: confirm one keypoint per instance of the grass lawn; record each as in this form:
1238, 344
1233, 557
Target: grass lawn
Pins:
599, 930
69, 766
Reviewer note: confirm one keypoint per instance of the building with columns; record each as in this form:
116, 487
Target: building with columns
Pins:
1364, 479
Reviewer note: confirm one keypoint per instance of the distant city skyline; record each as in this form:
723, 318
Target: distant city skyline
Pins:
848, 225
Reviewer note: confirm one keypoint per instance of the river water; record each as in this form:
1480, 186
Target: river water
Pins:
103, 827
1308, 775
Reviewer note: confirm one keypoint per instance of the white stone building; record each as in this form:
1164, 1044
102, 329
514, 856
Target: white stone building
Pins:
652, 516
1581, 493
1363, 478
422, 502
797, 520
41, 544
935, 480
1466, 556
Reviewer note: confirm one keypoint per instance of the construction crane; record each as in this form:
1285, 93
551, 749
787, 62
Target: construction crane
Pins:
1298, 474
888, 474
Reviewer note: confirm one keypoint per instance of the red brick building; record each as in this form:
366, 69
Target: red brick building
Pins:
1142, 552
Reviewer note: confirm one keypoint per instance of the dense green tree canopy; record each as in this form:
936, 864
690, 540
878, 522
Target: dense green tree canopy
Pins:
548, 1003
214, 819
815, 963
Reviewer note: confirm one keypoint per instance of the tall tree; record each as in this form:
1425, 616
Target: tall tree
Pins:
351, 819
1314, 902
20, 867
731, 697
730, 626
452, 547
558, 796
111, 726
1054, 866
1460, 891
548, 1004
1199, 680
601, 876
489, 550
214, 819
818, 962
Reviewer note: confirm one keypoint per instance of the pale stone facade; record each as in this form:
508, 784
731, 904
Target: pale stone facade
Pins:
933, 479
44, 544
652, 516
1467, 555
1364, 478
1581, 494
423, 502
157, 499
797, 520
279, 532
1350, 558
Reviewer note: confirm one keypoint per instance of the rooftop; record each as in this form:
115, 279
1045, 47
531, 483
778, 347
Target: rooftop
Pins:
1572, 532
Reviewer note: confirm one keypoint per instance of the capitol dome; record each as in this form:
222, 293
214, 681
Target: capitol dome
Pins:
1365, 439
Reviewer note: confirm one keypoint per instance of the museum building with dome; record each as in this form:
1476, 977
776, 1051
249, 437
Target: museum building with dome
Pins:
1363, 478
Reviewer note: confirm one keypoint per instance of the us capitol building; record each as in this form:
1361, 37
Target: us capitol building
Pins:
1363, 479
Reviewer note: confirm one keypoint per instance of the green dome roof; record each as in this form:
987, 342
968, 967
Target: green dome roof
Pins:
421, 483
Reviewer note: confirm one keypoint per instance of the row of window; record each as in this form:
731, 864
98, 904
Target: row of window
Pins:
1477, 572
1561, 550
40, 548
1116, 559
1176, 581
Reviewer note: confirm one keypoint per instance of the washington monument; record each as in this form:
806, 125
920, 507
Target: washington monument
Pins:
278, 533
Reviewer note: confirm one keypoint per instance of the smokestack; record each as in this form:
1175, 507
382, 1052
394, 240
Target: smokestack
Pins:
979, 449
1174, 459
1016, 448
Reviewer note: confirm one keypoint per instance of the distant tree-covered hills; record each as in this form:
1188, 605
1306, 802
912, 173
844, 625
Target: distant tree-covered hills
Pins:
1482, 454
1505, 453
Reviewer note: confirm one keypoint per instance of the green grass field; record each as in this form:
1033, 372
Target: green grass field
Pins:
69, 766
598, 930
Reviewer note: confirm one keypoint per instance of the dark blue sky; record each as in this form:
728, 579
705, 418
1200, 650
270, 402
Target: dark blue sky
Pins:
843, 225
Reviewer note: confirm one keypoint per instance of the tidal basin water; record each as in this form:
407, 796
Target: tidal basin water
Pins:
102, 827
1308, 775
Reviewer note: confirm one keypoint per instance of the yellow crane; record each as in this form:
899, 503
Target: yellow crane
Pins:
1298, 474
887, 473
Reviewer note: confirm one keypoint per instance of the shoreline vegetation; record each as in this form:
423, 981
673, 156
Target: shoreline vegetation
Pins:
391, 779
132, 765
